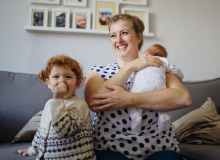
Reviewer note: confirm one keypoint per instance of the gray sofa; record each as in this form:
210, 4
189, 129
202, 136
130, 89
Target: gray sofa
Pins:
23, 95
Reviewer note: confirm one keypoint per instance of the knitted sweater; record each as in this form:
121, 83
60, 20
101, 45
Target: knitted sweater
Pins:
65, 131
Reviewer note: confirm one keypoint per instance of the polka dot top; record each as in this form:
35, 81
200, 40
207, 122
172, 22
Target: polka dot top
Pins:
112, 129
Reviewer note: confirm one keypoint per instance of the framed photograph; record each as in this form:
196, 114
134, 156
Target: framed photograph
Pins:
81, 19
38, 17
103, 11
60, 18
80, 3
46, 1
143, 14
134, 2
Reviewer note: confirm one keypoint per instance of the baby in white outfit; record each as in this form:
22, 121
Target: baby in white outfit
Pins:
151, 79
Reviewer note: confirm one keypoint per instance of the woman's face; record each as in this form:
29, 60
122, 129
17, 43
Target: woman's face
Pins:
124, 40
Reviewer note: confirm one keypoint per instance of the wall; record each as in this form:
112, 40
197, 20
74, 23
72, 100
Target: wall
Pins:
189, 29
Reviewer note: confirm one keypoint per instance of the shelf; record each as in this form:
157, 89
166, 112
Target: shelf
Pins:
71, 30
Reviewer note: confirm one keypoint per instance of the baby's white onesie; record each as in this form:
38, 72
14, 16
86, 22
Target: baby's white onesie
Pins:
151, 79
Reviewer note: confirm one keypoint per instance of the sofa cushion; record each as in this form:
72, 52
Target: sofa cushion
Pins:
201, 126
200, 152
27, 133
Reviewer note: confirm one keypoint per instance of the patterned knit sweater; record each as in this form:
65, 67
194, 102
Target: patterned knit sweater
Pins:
65, 131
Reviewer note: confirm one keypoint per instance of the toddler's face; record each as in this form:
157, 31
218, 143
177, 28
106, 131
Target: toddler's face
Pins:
64, 75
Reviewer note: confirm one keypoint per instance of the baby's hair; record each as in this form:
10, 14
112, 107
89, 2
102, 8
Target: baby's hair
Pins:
65, 61
157, 50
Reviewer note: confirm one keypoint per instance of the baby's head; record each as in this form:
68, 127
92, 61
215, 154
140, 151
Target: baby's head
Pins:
63, 61
157, 50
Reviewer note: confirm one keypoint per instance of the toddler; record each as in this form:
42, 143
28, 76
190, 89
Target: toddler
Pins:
65, 130
152, 79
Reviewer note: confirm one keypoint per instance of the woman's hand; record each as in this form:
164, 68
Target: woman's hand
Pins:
118, 98
145, 61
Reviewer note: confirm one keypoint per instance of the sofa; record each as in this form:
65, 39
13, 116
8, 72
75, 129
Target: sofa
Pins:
23, 95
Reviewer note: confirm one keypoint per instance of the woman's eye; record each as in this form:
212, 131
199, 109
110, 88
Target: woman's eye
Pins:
124, 33
112, 35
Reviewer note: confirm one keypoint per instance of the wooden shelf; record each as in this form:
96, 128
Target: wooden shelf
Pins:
71, 30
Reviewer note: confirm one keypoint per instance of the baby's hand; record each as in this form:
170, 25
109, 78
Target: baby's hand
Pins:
60, 91
23, 152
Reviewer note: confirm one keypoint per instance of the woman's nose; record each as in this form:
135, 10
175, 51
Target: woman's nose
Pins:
119, 39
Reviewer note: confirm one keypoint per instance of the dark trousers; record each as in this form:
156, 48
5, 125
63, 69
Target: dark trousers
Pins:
162, 155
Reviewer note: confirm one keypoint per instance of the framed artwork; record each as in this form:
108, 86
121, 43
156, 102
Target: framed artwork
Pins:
143, 14
81, 19
46, 1
80, 3
38, 17
60, 18
103, 11
134, 2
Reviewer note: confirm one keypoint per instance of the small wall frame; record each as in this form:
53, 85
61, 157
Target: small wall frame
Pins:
38, 17
81, 19
143, 14
79, 3
134, 2
102, 13
46, 1
60, 18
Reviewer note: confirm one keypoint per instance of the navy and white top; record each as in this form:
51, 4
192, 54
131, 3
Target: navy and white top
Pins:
112, 129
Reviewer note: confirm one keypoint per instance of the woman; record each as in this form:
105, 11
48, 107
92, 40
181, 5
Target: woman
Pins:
106, 91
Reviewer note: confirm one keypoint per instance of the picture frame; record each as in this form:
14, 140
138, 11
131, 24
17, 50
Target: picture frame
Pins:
134, 2
79, 3
60, 18
46, 1
81, 19
103, 11
38, 17
143, 14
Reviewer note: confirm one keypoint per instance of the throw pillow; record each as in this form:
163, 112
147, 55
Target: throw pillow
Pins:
198, 125
28, 131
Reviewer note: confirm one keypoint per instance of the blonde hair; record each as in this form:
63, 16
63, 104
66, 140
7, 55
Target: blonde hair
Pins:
136, 24
65, 61
157, 50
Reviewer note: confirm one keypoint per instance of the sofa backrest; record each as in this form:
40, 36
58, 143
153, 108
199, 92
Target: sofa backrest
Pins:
21, 97
199, 91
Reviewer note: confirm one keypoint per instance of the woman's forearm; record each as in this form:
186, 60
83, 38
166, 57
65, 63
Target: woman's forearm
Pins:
175, 97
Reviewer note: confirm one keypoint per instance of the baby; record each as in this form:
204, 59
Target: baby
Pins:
65, 130
152, 79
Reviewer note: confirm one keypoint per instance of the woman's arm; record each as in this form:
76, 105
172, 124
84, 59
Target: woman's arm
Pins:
95, 84
175, 97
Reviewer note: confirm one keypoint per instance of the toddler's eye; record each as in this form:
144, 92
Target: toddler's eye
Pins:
55, 77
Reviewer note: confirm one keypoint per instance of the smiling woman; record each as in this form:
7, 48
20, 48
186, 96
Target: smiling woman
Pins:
107, 93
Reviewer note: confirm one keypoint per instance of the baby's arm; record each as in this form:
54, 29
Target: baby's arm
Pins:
174, 69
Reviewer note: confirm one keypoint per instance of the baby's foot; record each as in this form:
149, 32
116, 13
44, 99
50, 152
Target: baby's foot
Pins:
23, 152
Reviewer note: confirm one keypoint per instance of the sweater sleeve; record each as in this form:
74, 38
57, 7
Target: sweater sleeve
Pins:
65, 122
32, 151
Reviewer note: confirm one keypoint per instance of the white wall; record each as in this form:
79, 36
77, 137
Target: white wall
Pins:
190, 30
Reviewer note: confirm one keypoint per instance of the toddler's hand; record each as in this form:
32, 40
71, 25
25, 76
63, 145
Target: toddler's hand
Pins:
23, 152
60, 91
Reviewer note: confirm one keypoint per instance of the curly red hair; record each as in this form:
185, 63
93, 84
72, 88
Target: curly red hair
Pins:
65, 61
